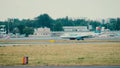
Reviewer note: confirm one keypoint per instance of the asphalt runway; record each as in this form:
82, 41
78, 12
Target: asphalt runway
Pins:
37, 41
59, 66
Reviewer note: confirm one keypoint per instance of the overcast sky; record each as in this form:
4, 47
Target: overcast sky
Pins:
24, 9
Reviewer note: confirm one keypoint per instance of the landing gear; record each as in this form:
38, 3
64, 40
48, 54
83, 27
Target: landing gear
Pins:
72, 38
80, 38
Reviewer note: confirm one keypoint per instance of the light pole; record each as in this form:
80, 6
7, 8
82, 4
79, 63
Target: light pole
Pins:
8, 26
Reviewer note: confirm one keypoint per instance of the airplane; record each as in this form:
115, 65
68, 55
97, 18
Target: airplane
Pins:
77, 36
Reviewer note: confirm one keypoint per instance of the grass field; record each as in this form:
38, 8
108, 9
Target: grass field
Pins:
61, 54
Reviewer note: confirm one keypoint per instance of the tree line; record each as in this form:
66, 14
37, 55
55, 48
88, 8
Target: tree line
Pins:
26, 26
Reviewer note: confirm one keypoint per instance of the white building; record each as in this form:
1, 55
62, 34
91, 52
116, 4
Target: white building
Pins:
2, 31
41, 32
75, 28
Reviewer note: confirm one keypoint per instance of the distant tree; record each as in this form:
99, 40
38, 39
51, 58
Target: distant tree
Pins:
118, 24
66, 21
80, 22
43, 20
21, 28
28, 30
11, 24
15, 30
94, 24
28, 22
112, 24
58, 27
14, 25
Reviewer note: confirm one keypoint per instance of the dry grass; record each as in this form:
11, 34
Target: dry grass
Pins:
62, 54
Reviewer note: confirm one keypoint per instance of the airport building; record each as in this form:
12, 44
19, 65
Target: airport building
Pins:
71, 29
75, 28
41, 32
